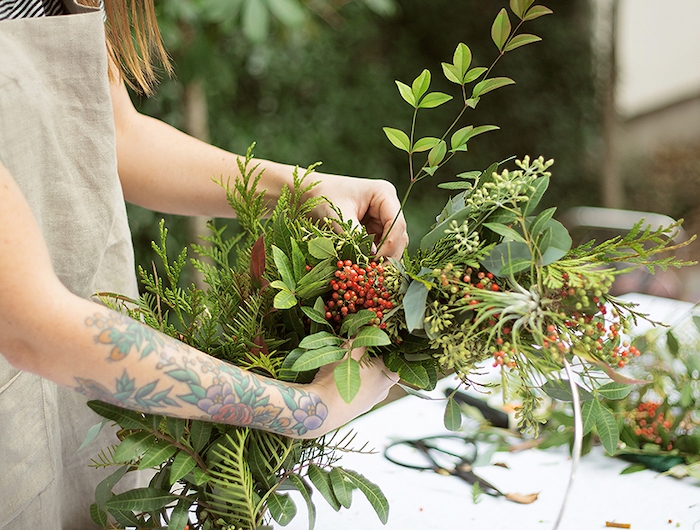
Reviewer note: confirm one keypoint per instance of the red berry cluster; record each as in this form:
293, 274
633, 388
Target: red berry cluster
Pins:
356, 288
651, 423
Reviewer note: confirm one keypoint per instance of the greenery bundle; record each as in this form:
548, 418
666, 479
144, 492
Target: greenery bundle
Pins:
493, 279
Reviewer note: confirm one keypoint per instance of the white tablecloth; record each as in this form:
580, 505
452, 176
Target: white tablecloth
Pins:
424, 500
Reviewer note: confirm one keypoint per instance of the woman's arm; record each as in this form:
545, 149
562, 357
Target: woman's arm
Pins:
163, 169
46, 330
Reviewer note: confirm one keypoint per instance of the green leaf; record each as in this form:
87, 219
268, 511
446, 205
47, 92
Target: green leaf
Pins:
320, 339
540, 185
312, 359
414, 305
354, 321
589, 415
615, 390
133, 446
314, 315
298, 261
305, 491
182, 464
371, 336
508, 258
180, 515
421, 84
453, 415
462, 136
425, 144
488, 85
288, 12
434, 99
255, 21
696, 321
321, 248
200, 432
398, 138
452, 73
141, 500
672, 343
521, 40
455, 185
342, 489
406, 93
371, 491
322, 480
500, 30
474, 74
157, 454
411, 372
176, 427
519, 7
537, 225
282, 508
103, 491
537, 12
634, 468
285, 300
437, 153
606, 425
505, 231
347, 379
99, 516
561, 391
559, 244
92, 434
127, 419
284, 267
462, 59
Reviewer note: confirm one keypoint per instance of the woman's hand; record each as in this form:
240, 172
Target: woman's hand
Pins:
376, 379
370, 202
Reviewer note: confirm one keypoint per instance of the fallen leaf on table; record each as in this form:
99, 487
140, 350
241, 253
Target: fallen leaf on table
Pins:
522, 499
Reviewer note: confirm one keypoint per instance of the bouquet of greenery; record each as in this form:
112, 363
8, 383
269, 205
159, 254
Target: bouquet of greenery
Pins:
494, 279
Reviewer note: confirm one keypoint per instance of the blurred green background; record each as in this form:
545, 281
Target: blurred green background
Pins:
313, 80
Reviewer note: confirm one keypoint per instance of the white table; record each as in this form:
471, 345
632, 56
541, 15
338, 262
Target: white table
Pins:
424, 500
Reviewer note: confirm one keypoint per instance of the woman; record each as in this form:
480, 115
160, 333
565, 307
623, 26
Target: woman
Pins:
72, 149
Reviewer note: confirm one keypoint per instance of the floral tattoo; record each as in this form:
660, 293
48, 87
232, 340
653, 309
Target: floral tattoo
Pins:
231, 395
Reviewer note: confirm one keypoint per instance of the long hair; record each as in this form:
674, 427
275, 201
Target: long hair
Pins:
134, 42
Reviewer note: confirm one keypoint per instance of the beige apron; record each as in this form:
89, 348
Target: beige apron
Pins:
57, 140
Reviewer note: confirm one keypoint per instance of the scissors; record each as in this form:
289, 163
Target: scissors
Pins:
433, 451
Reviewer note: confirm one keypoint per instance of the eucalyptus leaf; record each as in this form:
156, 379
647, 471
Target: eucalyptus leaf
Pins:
505, 231
414, 305
536, 225
559, 244
508, 258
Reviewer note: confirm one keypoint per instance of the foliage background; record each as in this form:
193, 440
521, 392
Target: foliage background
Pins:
316, 83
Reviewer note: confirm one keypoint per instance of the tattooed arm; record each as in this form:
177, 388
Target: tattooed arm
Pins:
46, 330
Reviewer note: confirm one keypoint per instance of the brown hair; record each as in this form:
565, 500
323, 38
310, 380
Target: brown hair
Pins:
134, 42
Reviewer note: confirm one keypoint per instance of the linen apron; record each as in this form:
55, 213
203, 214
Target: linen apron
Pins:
57, 140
